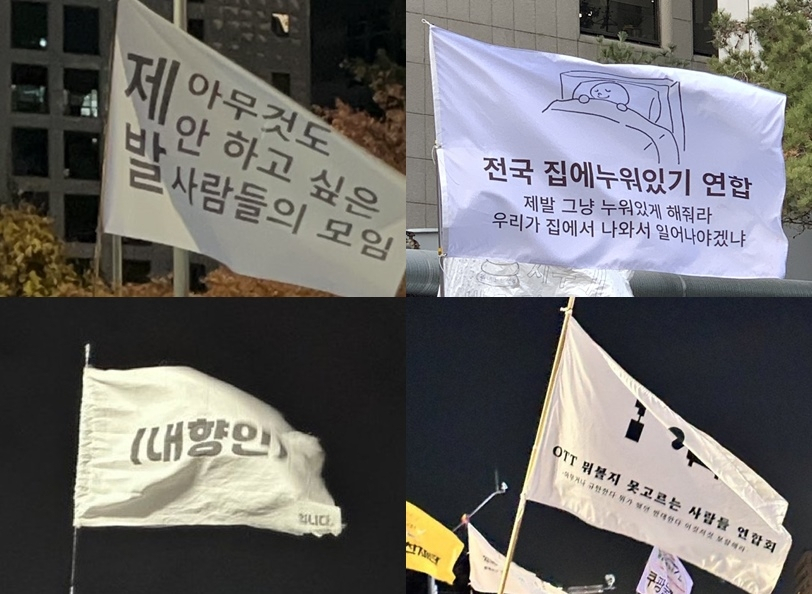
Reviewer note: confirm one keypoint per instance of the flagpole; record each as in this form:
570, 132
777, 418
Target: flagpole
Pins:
73, 559
440, 251
75, 529
180, 257
517, 523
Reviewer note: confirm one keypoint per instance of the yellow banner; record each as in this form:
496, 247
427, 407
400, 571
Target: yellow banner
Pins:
431, 548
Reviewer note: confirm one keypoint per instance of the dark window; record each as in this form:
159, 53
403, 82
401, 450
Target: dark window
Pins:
135, 271
29, 151
369, 33
38, 200
703, 10
29, 88
29, 25
81, 94
195, 28
197, 272
81, 30
81, 217
81, 155
81, 265
281, 81
280, 24
637, 18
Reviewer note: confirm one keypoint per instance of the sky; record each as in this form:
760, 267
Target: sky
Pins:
334, 371
477, 373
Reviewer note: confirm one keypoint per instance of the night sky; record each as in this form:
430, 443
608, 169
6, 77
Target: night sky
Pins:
335, 371
477, 372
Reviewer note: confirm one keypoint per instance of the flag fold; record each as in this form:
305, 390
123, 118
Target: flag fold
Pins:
431, 548
487, 565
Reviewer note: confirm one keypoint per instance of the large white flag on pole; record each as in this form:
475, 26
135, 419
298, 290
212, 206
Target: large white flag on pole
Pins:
618, 458
486, 568
664, 574
164, 446
548, 159
204, 156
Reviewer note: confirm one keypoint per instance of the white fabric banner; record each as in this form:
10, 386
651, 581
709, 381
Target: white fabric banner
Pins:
487, 565
165, 446
202, 155
664, 574
473, 277
548, 159
618, 458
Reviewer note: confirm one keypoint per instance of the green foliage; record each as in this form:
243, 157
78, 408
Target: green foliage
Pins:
783, 32
620, 52
32, 258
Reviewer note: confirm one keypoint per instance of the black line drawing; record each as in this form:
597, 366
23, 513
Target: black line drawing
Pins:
647, 110
564, 281
499, 274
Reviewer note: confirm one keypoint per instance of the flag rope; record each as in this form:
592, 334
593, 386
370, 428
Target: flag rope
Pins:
517, 522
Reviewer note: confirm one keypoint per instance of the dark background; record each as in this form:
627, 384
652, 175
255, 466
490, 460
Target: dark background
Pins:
738, 369
334, 370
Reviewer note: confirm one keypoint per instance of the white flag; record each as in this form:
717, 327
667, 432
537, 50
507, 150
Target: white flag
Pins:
164, 446
664, 574
473, 277
487, 565
618, 458
548, 159
202, 155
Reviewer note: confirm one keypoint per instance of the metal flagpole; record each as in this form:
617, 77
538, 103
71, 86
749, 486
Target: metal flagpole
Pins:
73, 559
118, 262
75, 529
517, 523
440, 251
180, 257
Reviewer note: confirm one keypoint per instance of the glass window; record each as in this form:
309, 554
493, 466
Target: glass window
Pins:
81, 155
81, 30
637, 18
280, 24
38, 200
81, 217
703, 35
281, 81
29, 151
135, 271
197, 272
29, 88
29, 25
81, 265
195, 28
81, 94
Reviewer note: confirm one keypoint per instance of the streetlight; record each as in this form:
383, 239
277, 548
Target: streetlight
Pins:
594, 589
500, 489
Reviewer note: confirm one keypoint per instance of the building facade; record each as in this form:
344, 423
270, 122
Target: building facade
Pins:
569, 27
55, 58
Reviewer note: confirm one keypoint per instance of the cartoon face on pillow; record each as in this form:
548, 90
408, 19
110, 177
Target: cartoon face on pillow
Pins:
609, 91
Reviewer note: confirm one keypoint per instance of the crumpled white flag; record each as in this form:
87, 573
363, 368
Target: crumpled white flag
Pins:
487, 565
166, 446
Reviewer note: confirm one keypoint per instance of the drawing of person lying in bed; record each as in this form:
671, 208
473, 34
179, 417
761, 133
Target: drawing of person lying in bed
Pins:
637, 114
